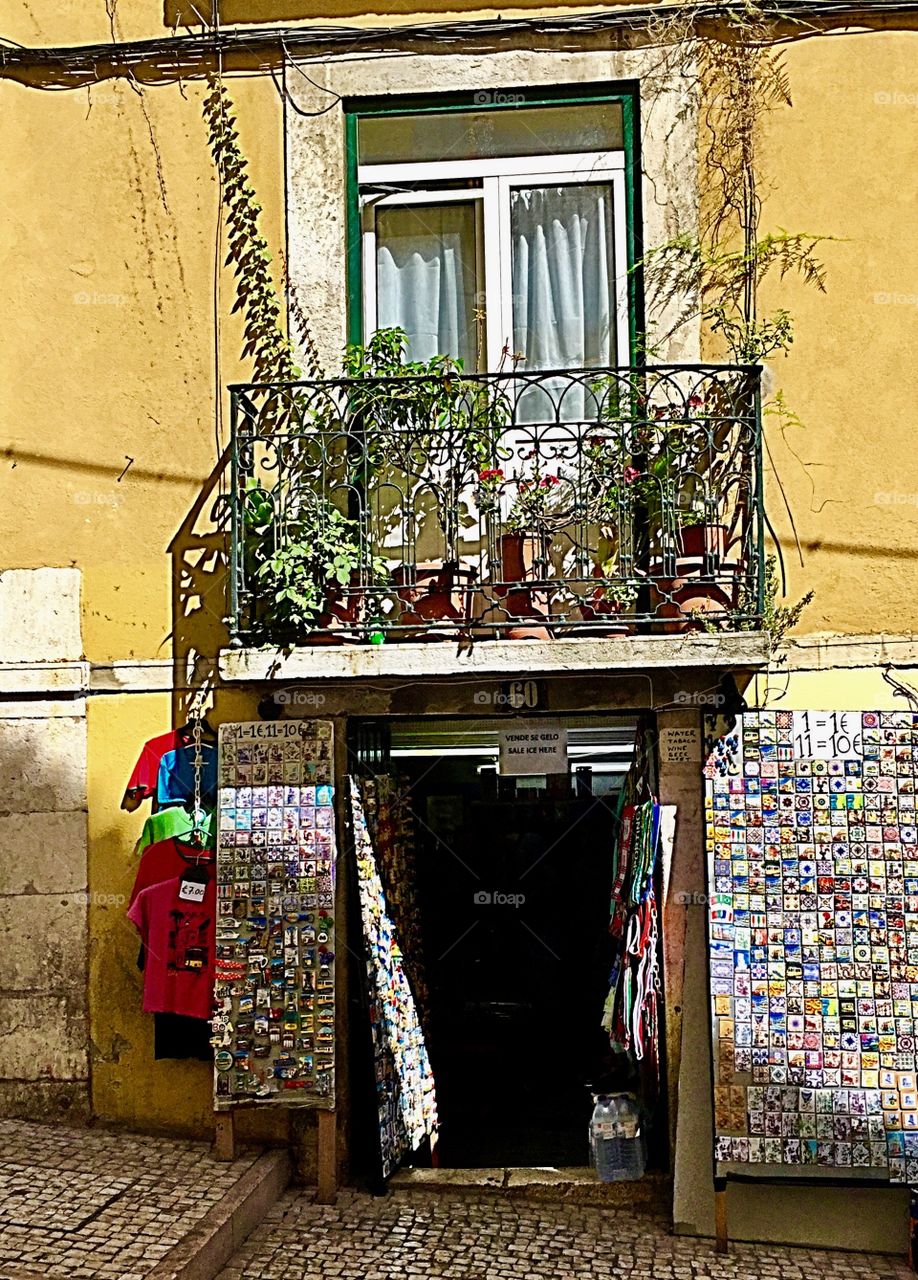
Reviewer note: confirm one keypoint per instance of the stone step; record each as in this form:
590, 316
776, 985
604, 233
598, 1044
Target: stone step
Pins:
650, 1194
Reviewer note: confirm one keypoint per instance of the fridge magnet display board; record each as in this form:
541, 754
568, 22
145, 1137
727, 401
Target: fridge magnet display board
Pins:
274, 1022
812, 854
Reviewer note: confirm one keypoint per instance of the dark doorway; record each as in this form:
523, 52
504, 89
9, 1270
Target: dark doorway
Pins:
514, 880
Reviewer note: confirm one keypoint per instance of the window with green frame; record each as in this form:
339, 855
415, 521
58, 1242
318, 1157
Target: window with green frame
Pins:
499, 225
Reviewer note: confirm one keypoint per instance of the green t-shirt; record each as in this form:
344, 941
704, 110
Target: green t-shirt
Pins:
175, 821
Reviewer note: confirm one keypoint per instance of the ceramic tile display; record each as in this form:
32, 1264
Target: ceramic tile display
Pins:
813, 940
406, 1100
274, 1023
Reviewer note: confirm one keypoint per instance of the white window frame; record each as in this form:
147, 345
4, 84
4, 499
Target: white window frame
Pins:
498, 175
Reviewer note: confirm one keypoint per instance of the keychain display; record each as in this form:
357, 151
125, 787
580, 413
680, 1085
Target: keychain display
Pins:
406, 1099
387, 804
812, 848
274, 1001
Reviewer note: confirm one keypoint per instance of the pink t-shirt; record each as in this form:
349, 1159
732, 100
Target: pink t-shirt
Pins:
164, 861
178, 938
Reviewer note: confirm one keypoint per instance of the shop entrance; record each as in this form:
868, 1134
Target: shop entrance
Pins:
513, 877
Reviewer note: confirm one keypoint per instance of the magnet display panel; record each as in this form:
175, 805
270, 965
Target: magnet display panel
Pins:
274, 1001
812, 905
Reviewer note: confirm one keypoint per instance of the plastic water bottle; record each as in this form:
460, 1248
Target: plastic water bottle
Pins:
616, 1141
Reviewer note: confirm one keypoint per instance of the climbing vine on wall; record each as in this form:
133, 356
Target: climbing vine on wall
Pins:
265, 341
733, 77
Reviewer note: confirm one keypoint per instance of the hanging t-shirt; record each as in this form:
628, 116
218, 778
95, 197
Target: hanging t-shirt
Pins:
174, 820
164, 861
178, 937
145, 773
175, 784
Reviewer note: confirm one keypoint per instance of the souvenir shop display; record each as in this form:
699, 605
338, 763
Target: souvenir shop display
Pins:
274, 1020
406, 1098
630, 1015
164, 772
391, 822
173, 900
812, 852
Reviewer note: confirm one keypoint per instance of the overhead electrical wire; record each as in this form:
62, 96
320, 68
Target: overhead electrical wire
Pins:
178, 55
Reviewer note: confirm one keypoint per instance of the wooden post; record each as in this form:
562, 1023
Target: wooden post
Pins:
328, 1158
224, 1135
720, 1215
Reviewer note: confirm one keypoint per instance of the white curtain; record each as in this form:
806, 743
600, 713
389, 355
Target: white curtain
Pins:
563, 288
425, 278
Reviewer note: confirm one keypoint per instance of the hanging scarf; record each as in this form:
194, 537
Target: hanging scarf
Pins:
630, 1010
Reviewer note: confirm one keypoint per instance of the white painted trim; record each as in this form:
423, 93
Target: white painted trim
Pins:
429, 195
580, 163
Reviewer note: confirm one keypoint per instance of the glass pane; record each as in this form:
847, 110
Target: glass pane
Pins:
563, 287
426, 279
472, 135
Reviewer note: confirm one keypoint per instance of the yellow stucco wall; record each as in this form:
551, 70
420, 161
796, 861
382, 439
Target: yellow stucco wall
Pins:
116, 348
843, 161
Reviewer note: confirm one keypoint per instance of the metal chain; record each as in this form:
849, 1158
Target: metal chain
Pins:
197, 830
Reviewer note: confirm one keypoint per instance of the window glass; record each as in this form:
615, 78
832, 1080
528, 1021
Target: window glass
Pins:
472, 135
563, 275
426, 280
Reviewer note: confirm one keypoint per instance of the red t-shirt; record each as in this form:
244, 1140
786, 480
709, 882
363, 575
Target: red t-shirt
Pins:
179, 941
146, 771
165, 860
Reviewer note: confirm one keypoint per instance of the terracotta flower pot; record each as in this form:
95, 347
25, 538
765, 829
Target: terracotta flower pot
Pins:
699, 540
433, 593
341, 618
521, 558
680, 603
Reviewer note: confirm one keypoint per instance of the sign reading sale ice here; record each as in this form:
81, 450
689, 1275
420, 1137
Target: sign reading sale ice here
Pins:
812, 852
533, 749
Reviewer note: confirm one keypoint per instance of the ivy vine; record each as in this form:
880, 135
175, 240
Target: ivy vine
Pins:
264, 340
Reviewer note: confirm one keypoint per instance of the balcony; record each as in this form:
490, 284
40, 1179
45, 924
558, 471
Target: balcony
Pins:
521, 505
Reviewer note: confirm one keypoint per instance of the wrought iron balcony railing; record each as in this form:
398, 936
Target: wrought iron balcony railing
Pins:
540, 504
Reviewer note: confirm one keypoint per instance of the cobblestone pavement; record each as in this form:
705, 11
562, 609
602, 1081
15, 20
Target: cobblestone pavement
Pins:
88, 1203
469, 1237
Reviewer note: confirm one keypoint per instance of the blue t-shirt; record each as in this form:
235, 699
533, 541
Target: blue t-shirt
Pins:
175, 784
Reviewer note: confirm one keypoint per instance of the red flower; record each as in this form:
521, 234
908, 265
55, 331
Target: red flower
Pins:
695, 402
630, 474
547, 481
491, 474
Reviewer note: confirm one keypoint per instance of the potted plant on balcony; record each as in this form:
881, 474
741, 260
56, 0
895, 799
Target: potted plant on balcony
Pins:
523, 543
309, 571
421, 424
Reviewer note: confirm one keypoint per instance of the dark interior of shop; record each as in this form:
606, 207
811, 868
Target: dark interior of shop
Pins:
514, 878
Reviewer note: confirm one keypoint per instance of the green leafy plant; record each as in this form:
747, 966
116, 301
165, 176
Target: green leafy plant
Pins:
312, 565
778, 619
264, 340
536, 502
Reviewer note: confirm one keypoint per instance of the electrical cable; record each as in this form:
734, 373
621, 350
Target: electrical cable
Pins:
173, 53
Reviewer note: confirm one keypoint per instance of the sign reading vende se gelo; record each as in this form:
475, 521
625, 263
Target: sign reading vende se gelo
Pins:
533, 748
